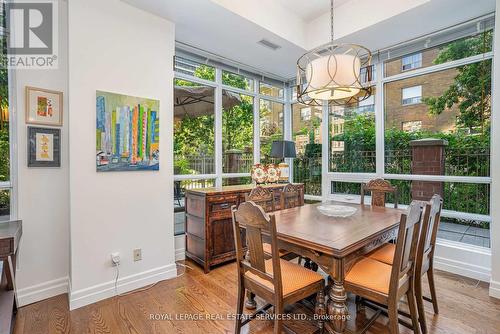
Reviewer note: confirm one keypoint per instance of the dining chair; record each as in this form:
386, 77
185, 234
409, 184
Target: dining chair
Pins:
265, 198
386, 284
291, 197
379, 188
424, 259
278, 282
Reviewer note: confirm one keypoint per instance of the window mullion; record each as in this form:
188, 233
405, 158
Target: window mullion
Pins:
218, 127
325, 152
256, 124
287, 125
379, 121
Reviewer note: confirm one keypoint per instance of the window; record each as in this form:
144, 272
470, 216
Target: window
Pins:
271, 127
194, 136
193, 68
411, 62
411, 95
236, 181
271, 90
305, 114
411, 126
306, 133
237, 81
367, 74
352, 137
5, 174
430, 140
462, 48
456, 102
237, 133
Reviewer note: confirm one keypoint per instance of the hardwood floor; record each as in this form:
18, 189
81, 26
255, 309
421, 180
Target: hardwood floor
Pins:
465, 307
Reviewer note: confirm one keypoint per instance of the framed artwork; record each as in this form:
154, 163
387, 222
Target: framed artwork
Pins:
44, 107
44, 147
127, 133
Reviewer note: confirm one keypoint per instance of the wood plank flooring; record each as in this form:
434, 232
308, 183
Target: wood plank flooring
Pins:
465, 307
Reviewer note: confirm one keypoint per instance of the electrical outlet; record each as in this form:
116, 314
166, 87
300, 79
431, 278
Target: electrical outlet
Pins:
115, 259
137, 254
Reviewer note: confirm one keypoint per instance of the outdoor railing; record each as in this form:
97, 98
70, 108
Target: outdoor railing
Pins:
462, 197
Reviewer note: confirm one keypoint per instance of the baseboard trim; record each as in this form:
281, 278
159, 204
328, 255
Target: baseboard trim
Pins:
82, 297
180, 254
463, 269
38, 292
495, 289
180, 247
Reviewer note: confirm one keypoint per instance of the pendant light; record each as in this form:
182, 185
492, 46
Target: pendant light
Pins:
336, 73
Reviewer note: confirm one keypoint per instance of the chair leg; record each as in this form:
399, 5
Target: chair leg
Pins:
413, 311
320, 310
239, 308
420, 304
278, 314
392, 313
430, 276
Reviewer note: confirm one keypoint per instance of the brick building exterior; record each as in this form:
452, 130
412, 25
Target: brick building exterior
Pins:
400, 116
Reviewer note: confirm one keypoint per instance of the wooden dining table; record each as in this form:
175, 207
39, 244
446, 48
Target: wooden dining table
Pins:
335, 244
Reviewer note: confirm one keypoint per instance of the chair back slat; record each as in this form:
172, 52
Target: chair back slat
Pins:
291, 196
263, 197
436, 205
428, 234
406, 247
254, 244
256, 222
378, 189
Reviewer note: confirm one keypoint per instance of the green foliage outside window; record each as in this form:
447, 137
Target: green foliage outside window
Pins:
194, 136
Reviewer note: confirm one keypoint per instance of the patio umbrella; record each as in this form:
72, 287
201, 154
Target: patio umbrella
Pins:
199, 101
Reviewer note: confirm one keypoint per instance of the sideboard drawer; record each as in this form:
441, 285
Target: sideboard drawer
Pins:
6, 246
220, 206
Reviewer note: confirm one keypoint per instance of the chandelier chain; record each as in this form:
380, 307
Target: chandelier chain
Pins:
331, 20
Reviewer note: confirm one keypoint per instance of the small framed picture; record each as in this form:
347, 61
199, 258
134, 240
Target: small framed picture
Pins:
44, 107
44, 147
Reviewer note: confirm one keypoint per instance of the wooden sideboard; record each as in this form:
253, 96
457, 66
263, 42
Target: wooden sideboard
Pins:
10, 234
208, 224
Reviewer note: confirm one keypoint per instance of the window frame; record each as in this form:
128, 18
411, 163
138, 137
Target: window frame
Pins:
12, 184
217, 84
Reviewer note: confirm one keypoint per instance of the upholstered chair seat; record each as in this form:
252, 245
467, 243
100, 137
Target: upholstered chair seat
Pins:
384, 254
293, 277
370, 274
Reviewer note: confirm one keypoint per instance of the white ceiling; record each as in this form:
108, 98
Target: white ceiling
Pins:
209, 26
308, 10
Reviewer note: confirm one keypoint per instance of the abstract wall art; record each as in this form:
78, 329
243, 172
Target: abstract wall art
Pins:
44, 147
44, 107
127, 133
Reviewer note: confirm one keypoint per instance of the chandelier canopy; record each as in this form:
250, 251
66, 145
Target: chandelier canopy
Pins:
336, 73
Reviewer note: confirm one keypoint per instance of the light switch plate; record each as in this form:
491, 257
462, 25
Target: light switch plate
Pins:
137, 254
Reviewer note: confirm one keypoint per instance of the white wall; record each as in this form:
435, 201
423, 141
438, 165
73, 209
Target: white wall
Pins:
43, 193
271, 16
118, 48
495, 163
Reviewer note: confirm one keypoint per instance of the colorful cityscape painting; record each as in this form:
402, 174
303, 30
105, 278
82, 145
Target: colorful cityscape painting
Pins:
127, 133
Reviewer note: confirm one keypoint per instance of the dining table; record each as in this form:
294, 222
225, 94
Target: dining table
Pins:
335, 244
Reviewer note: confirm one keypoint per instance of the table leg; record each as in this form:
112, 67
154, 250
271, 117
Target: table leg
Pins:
338, 313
